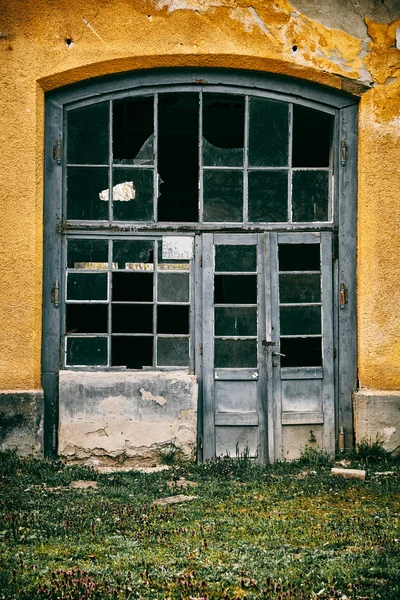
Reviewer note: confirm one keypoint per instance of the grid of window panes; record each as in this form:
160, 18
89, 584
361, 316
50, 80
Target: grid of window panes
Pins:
300, 305
199, 157
126, 305
235, 306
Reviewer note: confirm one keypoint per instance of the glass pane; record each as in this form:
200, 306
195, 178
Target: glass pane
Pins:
88, 135
133, 352
300, 288
235, 289
299, 257
235, 354
235, 321
300, 320
89, 351
268, 196
87, 318
135, 256
173, 287
310, 193
301, 352
223, 130
132, 318
132, 287
87, 254
235, 258
268, 133
87, 286
173, 352
133, 194
311, 137
172, 319
87, 193
178, 157
223, 196
166, 264
133, 131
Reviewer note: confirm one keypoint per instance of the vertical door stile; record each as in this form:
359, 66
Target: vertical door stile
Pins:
274, 388
197, 340
328, 438
208, 348
264, 333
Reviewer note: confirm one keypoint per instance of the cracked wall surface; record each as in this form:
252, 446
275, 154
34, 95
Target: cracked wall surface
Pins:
47, 44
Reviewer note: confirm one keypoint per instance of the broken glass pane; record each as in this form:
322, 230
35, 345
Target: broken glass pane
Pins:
268, 133
268, 196
84, 188
235, 289
310, 193
87, 286
235, 354
132, 318
178, 157
134, 256
312, 132
235, 321
223, 130
301, 352
300, 288
133, 131
133, 194
300, 320
235, 258
299, 257
222, 196
87, 254
133, 352
172, 319
173, 287
173, 352
132, 287
88, 135
87, 351
87, 318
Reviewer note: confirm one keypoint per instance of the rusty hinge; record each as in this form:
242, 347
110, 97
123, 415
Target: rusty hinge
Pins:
343, 153
55, 294
201, 348
201, 260
343, 296
57, 150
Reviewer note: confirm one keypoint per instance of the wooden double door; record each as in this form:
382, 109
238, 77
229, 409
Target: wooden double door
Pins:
267, 344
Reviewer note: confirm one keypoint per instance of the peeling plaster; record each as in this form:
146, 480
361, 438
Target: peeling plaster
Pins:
149, 396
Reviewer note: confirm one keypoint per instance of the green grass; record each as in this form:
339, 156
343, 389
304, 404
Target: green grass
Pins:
251, 532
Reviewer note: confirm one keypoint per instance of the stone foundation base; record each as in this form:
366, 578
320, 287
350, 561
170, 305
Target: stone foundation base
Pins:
377, 417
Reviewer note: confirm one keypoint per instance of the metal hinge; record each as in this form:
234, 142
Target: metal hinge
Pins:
201, 348
57, 150
344, 296
54, 438
343, 153
201, 260
55, 294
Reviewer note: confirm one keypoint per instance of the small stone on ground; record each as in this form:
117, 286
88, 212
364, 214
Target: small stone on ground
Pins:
173, 500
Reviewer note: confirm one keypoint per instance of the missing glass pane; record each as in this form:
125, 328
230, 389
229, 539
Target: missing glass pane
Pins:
173, 287
87, 318
235, 258
235, 289
178, 157
235, 354
173, 352
87, 352
268, 196
235, 321
310, 195
300, 320
300, 287
312, 133
268, 133
84, 187
172, 319
133, 352
135, 256
132, 287
132, 318
87, 129
299, 257
301, 352
133, 131
222, 196
87, 254
133, 194
87, 286
223, 130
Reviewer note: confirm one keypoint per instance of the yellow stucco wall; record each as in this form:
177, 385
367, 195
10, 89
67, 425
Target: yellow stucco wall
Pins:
109, 36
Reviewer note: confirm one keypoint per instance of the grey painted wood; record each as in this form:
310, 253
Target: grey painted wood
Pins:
301, 238
118, 228
302, 373
328, 435
233, 239
264, 358
275, 395
237, 374
302, 418
197, 339
236, 418
208, 348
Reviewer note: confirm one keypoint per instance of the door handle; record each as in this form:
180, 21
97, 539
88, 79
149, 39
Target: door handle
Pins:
278, 354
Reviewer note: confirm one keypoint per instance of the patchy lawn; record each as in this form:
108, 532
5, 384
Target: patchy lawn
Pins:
284, 531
